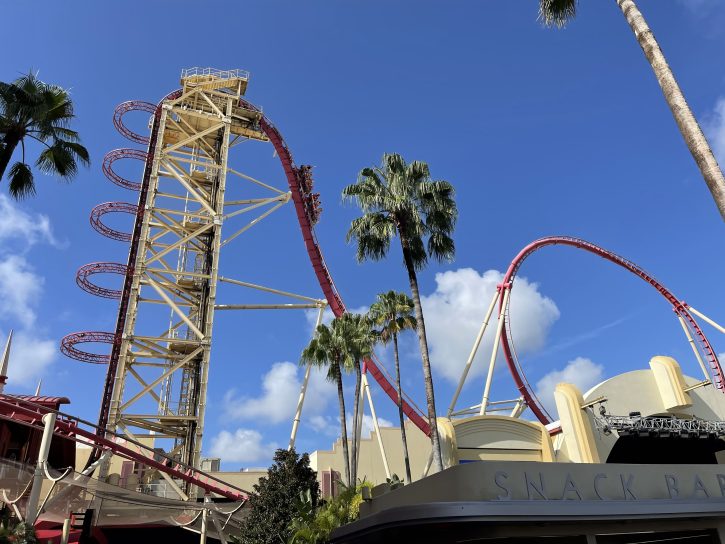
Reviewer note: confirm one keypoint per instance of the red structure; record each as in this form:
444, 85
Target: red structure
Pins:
20, 436
678, 306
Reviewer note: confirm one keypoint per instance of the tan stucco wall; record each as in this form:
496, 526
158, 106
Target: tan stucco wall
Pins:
639, 391
371, 461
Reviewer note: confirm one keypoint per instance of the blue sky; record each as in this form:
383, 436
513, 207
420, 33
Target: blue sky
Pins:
541, 131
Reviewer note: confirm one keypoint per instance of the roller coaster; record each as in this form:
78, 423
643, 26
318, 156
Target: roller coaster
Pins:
180, 211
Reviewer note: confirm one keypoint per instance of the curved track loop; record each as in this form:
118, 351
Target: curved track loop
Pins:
69, 427
70, 341
87, 270
112, 207
125, 107
678, 306
118, 154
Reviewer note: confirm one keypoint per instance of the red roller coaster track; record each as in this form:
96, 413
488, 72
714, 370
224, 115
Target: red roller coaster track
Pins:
88, 270
118, 154
678, 306
124, 108
112, 207
69, 427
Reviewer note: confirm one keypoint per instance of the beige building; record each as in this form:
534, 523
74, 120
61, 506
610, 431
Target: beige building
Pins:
635, 459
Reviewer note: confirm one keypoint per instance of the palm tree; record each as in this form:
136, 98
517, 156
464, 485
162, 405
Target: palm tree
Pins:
559, 12
401, 199
357, 333
339, 348
42, 112
393, 314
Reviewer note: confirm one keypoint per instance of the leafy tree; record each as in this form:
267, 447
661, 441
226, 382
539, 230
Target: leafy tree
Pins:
30, 108
330, 348
559, 12
393, 313
20, 533
399, 199
273, 501
314, 525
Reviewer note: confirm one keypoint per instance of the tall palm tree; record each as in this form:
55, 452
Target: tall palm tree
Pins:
401, 199
559, 12
393, 313
339, 348
357, 333
31, 109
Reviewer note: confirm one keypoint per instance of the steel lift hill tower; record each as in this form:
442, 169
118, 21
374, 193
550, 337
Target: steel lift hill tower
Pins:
177, 260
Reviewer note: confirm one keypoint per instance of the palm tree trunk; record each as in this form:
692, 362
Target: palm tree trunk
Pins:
691, 132
403, 438
356, 422
423, 343
343, 426
10, 142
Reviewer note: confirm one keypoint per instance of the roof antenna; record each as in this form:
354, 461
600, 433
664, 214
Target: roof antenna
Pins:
37, 389
5, 361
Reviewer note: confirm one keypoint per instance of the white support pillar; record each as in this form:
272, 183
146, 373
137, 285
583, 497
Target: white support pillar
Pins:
303, 390
494, 352
204, 523
428, 465
217, 524
518, 408
65, 534
31, 510
5, 362
706, 319
366, 388
472, 355
694, 347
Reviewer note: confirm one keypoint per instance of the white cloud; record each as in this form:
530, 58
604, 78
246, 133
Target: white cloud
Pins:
241, 446
582, 372
324, 424
714, 127
280, 393
455, 310
330, 426
30, 356
20, 290
17, 224
367, 424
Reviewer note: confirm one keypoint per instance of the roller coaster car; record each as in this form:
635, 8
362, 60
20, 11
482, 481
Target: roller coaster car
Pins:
311, 200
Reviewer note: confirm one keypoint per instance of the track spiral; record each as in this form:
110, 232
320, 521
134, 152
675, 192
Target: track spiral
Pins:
112, 207
70, 341
125, 107
88, 270
118, 154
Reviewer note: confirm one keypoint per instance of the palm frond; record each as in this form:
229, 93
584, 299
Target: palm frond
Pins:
21, 181
441, 246
57, 159
373, 233
557, 12
414, 205
393, 313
